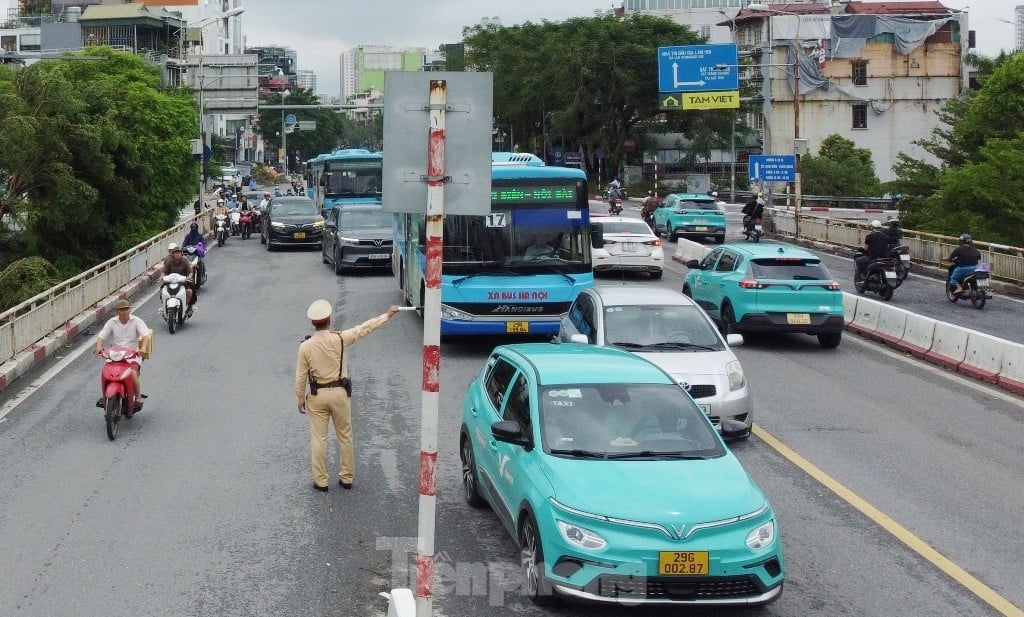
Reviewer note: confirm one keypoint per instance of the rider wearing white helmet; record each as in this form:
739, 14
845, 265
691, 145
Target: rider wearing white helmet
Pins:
175, 263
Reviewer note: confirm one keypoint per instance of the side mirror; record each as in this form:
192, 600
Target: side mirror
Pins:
734, 430
508, 431
734, 339
693, 264
330, 225
596, 235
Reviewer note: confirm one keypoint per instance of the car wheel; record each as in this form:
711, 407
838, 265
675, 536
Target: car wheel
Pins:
531, 560
323, 255
687, 291
886, 293
337, 262
470, 488
830, 340
728, 320
656, 275
270, 245
672, 237
720, 239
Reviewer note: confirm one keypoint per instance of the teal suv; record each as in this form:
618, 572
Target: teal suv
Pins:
691, 215
768, 288
614, 484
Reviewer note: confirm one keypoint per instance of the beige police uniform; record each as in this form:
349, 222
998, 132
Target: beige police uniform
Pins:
321, 356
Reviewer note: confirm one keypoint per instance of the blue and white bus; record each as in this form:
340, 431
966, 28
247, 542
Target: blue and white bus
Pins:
345, 177
515, 270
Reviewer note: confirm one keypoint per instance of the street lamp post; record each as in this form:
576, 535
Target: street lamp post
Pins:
797, 145
201, 24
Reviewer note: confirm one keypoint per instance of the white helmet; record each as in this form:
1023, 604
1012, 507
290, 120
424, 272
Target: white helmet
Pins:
876, 224
714, 193
173, 246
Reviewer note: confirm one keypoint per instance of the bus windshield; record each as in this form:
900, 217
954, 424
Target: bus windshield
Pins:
353, 178
517, 242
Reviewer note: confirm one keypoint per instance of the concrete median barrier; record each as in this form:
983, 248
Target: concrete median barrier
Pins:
865, 320
949, 345
849, 307
918, 334
892, 324
1011, 377
688, 249
983, 356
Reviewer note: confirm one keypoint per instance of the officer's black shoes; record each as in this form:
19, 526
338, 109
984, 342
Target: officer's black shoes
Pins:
322, 489
345, 485
101, 402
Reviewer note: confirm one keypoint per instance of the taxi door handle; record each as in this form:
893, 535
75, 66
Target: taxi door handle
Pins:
493, 444
473, 411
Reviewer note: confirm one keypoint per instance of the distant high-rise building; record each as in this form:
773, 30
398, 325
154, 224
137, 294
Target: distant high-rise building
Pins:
1018, 19
305, 79
363, 67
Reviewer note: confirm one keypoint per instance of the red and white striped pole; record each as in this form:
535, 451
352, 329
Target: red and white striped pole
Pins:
431, 351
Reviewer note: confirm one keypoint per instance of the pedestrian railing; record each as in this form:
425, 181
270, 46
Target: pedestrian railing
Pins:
927, 248
23, 325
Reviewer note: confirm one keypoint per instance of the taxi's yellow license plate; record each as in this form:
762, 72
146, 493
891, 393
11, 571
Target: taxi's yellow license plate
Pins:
683, 563
701, 228
299, 235
798, 319
517, 327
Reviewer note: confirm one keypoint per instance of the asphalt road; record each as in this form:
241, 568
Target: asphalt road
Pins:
204, 506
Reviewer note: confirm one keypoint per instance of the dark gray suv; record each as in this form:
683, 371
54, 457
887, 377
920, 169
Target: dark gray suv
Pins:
358, 237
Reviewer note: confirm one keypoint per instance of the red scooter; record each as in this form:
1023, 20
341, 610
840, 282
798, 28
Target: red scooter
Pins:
245, 222
118, 389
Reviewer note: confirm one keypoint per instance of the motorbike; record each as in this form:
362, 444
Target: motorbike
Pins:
902, 256
236, 216
194, 255
221, 230
975, 286
118, 390
616, 207
752, 228
879, 277
174, 297
245, 222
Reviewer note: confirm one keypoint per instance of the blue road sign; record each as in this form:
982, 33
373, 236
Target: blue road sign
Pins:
698, 68
290, 119
773, 168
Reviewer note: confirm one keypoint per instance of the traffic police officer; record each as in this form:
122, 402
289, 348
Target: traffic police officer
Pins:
323, 365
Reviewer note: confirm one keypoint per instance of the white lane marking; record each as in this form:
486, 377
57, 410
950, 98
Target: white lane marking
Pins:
53, 371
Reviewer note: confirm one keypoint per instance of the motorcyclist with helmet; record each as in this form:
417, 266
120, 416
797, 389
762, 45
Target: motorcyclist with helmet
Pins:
876, 246
175, 263
965, 258
752, 210
649, 206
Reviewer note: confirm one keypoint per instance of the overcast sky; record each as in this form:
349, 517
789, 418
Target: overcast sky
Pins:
319, 30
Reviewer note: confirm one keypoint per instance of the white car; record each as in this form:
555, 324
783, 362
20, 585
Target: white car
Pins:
629, 245
672, 331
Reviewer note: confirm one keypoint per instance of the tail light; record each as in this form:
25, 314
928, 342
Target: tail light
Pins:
652, 242
833, 286
751, 284
607, 241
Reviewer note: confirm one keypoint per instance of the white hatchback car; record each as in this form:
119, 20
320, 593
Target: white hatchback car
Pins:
672, 331
629, 245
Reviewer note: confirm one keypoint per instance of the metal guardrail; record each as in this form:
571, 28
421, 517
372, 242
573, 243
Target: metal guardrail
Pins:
23, 325
928, 248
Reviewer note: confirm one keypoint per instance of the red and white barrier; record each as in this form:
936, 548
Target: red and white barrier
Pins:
1011, 377
865, 319
949, 346
892, 323
983, 358
918, 334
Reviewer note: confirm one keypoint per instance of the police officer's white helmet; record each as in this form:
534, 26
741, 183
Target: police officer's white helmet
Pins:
876, 224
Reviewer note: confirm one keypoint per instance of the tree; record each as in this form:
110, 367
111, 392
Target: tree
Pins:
840, 169
325, 138
975, 187
95, 156
590, 83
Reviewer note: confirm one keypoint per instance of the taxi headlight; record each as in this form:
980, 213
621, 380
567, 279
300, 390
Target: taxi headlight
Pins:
580, 536
318, 224
762, 536
277, 225
736, 378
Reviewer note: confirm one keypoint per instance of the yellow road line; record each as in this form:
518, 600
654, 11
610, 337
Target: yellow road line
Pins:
981, 590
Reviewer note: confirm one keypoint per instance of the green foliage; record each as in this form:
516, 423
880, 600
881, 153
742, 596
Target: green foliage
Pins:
94, 154
308, 144
585, 82
976, 187
24, 279
840, 169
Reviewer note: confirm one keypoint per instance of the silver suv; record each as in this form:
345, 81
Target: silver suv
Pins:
672, 331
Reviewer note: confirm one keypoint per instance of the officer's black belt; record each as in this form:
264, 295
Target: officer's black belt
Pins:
337, 383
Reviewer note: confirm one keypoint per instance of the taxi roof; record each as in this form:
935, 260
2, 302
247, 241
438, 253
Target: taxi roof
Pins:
566, 363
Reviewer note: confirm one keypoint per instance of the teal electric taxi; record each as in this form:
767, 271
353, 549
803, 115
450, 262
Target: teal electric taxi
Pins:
690, 215
768, 288
615, 485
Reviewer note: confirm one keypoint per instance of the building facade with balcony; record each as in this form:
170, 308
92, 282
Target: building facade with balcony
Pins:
874, 73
